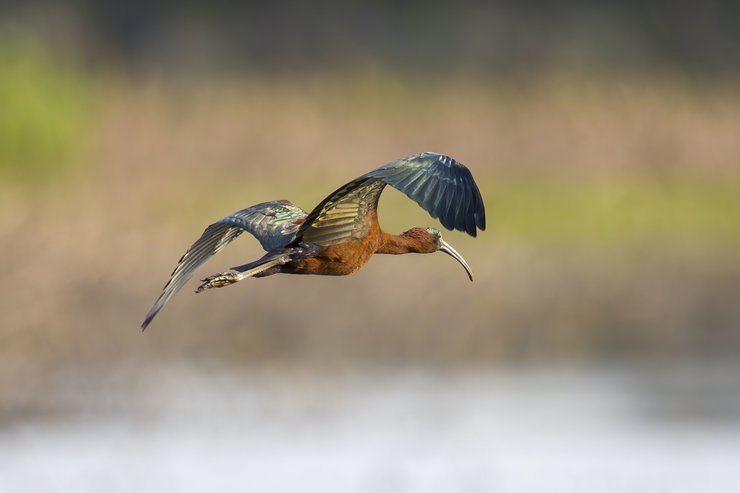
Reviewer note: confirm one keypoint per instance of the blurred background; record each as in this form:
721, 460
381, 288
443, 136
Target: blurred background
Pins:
598, 348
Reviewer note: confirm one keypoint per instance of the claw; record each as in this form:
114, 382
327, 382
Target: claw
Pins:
218, 280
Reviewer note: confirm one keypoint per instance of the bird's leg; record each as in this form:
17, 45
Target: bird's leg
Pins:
237, 274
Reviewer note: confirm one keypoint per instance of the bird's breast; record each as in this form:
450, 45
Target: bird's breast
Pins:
337, 260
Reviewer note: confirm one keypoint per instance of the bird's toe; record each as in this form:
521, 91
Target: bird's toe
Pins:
218, 280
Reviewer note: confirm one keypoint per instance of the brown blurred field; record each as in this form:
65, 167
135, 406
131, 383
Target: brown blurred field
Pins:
613, 227
599, 344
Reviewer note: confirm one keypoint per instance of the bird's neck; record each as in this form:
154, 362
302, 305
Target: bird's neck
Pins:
415, 240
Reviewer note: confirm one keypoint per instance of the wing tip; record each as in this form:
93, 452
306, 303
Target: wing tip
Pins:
152, 313
480, 221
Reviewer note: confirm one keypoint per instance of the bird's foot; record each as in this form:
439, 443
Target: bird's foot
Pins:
218, 280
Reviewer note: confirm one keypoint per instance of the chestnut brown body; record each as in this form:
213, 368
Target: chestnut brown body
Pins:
349, 257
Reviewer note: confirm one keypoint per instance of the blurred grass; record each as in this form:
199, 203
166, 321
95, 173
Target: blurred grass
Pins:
46, 121
616, 212
612, 207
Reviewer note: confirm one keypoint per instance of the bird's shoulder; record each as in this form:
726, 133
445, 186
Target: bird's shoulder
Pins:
342, 216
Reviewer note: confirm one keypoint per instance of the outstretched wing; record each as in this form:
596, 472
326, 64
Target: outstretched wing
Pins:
274, 224
439, 184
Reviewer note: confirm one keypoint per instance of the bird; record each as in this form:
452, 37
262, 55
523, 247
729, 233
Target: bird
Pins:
342, 232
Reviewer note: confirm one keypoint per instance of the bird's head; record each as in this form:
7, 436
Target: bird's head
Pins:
431, 239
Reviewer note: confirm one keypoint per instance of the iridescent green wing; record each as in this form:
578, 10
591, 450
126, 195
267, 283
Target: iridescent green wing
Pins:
274, 224
342, 216
439, 184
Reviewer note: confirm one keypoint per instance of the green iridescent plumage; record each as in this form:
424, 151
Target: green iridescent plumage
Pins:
273, 223
441, 186
438, 183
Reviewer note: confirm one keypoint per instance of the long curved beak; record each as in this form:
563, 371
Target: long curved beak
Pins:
445, 247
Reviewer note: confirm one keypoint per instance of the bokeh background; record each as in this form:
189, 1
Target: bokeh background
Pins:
598, 348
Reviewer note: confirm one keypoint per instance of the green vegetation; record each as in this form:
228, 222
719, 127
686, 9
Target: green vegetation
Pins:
620, 212
46, 114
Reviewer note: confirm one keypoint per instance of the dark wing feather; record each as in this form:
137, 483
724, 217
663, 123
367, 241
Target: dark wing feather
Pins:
274, 224
439, 184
